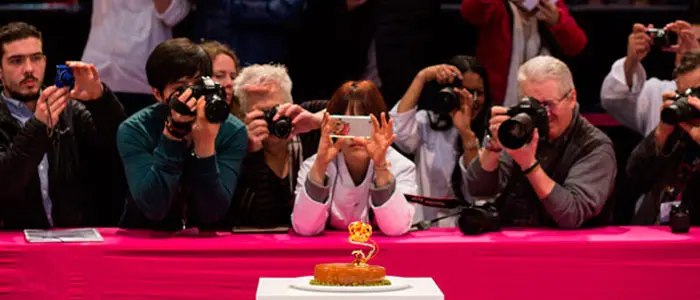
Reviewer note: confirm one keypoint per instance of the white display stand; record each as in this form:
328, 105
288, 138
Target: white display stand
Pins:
281, 289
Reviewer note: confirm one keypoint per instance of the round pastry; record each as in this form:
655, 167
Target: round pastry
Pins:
349, 274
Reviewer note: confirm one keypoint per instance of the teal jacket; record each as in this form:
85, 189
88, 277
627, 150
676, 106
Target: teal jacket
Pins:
168, 185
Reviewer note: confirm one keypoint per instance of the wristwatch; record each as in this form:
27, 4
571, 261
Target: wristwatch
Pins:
488, 144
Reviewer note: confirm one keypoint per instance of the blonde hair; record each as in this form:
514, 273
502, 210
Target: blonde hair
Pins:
256, 75
543, 68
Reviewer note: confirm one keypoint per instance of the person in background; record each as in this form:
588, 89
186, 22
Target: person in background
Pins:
561, 181
181, 170
59, 165
510, 35
122, 35
355, 179
627, 95
225, 67
665, 166
265, 195
438, 140
258, 30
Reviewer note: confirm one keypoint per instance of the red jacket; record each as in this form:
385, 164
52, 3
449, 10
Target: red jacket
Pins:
493, 49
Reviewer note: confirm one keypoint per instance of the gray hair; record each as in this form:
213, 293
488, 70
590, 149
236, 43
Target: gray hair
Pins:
256, 75
543, 68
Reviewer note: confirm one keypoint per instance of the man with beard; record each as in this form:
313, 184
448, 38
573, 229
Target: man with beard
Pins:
55, 153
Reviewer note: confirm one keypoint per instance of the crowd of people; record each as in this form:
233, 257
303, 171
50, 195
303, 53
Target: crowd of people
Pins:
135, 144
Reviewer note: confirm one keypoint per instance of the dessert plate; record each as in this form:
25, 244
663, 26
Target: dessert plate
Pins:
302, 283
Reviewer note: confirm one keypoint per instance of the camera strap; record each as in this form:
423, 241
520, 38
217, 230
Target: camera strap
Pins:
180, 108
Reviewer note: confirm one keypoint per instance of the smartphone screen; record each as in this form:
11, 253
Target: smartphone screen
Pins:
351, 126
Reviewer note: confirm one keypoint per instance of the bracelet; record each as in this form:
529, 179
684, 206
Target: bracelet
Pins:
531, 168
383, 167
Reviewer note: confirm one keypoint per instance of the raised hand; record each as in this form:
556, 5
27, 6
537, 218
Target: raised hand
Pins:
302, 120
87, 81
382, 138
52, 100
257, 130
327, 151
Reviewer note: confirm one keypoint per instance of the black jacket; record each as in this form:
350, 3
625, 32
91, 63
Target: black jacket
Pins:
86, 179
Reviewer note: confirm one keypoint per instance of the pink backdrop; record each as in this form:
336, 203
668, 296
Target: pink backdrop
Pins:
608, 263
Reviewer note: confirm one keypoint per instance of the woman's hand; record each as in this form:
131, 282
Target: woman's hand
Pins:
382, 138
327, 151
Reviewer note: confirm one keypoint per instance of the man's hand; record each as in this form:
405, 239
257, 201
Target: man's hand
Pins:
638, 45
498, 116
547, 12
443, 74
525, 156
257, 130
692, 128
204, 132
191, 103
87, 81
663, 130
52, 99
302, 120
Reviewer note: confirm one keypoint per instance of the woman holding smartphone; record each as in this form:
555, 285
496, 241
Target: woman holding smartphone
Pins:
438, 138
355, 178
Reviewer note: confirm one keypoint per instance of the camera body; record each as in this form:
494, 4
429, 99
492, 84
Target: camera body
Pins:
64, 76
216, 109
525, 116
679, 219
447, 99
662, 38
681, 110
280, 128
479, 218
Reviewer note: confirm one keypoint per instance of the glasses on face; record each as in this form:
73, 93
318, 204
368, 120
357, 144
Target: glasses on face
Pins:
552, 105
18, 60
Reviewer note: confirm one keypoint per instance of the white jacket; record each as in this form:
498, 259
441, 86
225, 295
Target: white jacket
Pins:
348, 203
435, 158
639, 107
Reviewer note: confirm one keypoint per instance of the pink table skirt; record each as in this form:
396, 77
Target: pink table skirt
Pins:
607, 263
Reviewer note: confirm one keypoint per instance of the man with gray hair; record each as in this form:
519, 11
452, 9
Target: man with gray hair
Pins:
562, 180
280, 136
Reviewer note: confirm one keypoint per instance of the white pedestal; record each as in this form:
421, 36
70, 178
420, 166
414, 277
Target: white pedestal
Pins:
280, 289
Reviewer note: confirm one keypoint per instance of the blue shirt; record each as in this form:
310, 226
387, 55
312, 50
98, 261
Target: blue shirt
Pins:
22, 114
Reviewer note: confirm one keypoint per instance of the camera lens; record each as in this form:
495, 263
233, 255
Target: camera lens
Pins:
679, 111
281, 128
216, 110
671, 114
516, 131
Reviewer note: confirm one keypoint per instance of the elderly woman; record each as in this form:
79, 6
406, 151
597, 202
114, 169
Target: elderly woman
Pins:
265, 194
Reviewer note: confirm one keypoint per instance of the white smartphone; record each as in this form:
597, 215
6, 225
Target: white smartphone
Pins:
351, 126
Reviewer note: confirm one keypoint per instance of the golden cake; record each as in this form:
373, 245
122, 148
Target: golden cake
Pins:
349, 274
357, 273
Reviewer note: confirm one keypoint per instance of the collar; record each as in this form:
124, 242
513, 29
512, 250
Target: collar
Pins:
14, 104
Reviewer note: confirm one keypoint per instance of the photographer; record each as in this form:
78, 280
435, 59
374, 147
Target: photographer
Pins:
438, 136
59, 165
627, 94
510, 34
181, 169
281, 135
355, 179
562, 180
665, 165
225, 67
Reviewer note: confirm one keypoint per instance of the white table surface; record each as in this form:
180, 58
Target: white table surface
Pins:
280, 289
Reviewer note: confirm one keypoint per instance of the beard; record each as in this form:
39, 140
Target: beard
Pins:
24, 98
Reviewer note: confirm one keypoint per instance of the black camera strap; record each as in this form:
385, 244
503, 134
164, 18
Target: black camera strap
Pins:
179, 107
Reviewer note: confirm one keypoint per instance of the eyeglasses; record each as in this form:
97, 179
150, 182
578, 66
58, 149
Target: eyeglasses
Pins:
552, 104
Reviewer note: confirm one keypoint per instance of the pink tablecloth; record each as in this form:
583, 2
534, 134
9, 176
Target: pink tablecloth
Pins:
608, 263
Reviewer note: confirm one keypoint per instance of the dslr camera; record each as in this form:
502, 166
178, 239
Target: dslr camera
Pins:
681, 110
525, 116
662, 38
216, 109
479, 218
679, 219
280, 128
447, 99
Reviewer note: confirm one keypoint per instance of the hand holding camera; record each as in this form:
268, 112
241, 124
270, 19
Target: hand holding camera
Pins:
547, 12
302, 121
50, 105
83, 78
177, 127
262, 123
685, 39
639, 44
462, 117
204, 131
327, 150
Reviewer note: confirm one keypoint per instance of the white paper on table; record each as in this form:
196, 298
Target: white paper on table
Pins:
63, 235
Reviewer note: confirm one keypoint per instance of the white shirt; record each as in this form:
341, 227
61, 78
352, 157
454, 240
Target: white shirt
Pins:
435, 158
348, 203
122, 36
639, 107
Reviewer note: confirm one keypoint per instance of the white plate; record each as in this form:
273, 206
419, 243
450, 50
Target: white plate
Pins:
302, 283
